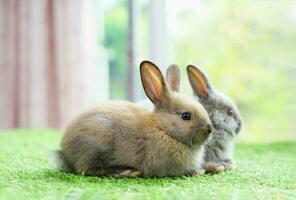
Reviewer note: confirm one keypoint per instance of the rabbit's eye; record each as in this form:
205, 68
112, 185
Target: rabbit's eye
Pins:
229, 112
186, 116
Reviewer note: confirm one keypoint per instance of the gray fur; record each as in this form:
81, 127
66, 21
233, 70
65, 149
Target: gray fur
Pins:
219, 148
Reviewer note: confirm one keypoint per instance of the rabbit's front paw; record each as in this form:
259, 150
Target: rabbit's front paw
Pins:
194, 172
228, 164
127, 174
213, 167
200, 171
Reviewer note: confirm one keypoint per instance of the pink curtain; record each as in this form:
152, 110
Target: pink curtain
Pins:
47, 69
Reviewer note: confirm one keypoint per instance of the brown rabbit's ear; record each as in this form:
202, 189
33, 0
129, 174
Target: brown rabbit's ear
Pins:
173, 77
153, 82
199, 82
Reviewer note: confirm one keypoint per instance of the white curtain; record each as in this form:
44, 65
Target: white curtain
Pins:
47, 62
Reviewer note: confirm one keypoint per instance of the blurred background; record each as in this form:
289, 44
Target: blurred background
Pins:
58, 57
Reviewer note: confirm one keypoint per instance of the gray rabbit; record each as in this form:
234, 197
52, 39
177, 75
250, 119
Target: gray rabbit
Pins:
122, 139
225, 118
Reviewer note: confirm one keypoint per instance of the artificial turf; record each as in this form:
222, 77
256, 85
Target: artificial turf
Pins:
27, 171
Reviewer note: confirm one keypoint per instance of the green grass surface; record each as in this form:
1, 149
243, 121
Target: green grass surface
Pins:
264, 171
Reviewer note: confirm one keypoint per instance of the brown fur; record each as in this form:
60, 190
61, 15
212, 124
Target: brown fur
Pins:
173, 77
121, 138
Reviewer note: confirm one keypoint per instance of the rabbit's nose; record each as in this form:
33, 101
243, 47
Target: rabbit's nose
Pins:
238, 128
209, 129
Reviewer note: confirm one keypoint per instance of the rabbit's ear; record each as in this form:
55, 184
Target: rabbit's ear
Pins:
173, 77
153, 82
199, 82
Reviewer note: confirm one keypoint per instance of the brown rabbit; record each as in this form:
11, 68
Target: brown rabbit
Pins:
122, 139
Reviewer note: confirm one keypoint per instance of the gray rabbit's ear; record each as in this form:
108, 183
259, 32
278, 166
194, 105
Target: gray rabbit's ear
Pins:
199, 82
173, 77
153, 82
